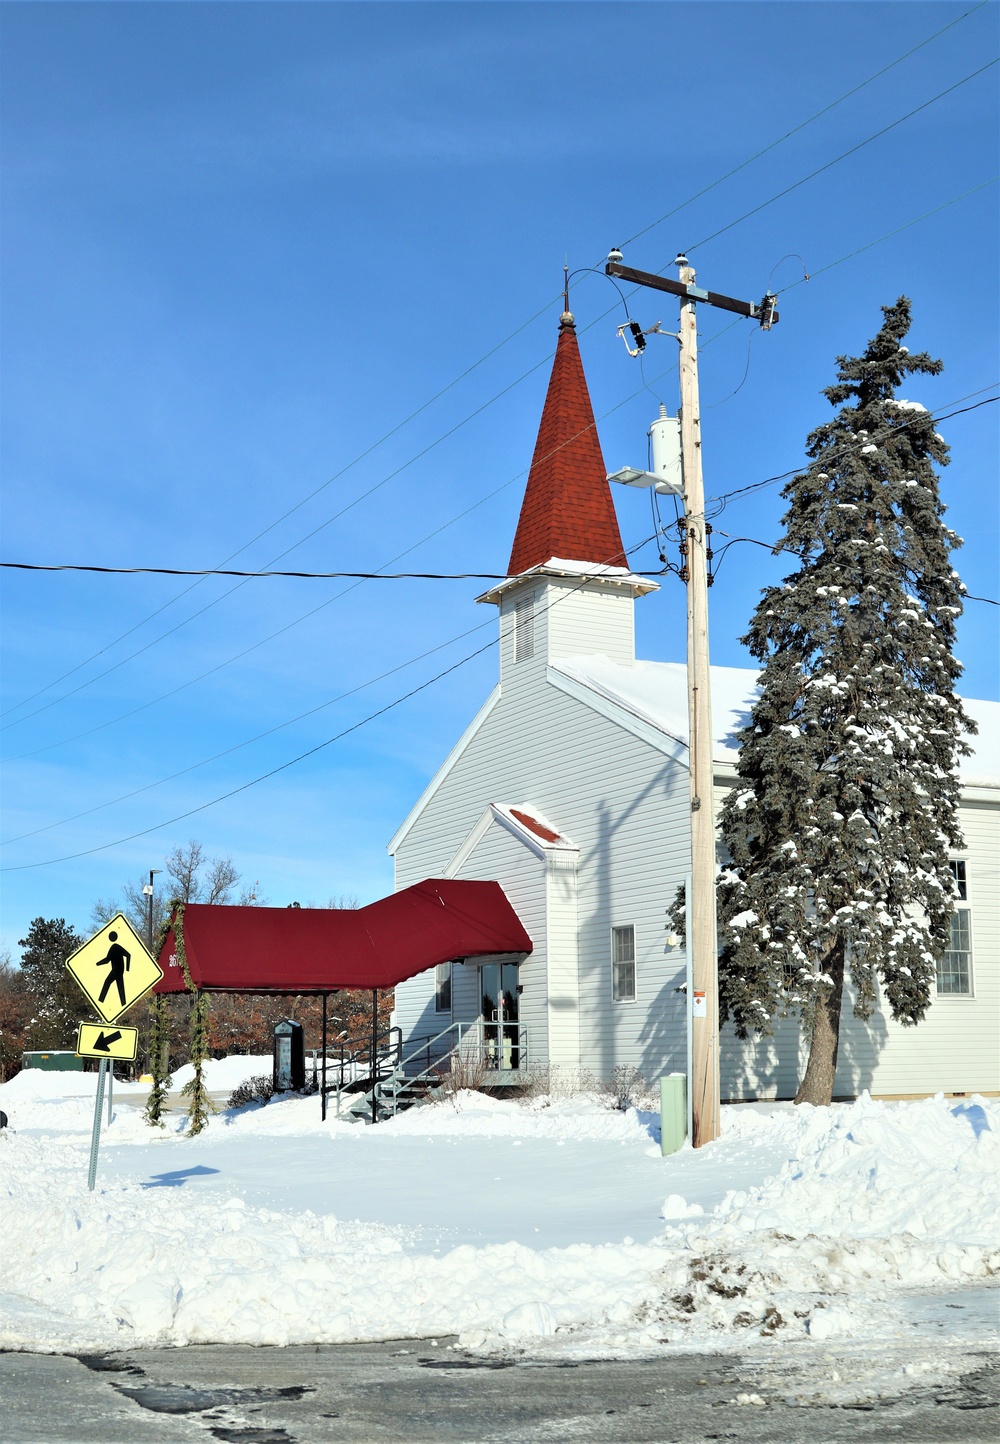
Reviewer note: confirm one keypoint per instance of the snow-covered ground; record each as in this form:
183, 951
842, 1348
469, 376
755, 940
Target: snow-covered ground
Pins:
550, 1224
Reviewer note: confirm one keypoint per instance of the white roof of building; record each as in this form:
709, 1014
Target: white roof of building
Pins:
656, 692
564, 567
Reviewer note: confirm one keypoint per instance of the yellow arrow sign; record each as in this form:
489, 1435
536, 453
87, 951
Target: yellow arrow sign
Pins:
96, 1040
114, 969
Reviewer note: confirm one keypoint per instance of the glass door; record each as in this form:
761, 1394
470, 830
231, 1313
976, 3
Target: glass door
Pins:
498, 987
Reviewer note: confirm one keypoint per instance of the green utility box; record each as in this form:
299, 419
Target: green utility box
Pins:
673, 1112
55, 1060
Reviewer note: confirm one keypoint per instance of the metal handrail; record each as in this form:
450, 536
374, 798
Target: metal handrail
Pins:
350, 1052
398, 1082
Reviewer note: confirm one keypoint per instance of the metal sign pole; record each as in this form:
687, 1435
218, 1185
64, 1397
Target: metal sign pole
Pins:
111, 1086
95, 1139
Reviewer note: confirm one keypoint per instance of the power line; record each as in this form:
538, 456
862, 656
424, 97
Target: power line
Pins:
283, 767
889, 234
803, 124
48, 747
462, 375
472, 576
315, 492
215, 601
775, 548
843, 156
248, 741
848, 449
311, 751
222, 572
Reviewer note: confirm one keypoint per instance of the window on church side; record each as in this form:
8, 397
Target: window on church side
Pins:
442, 988
524, 627
623, 964
954, 969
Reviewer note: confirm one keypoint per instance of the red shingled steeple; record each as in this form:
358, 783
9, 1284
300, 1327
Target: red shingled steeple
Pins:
567, 509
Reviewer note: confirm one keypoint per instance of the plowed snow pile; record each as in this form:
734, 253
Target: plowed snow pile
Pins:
855, 1205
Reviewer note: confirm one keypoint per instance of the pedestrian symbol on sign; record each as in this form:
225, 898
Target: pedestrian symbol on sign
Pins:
117, 960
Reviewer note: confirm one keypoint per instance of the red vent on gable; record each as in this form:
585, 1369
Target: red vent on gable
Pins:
567, 509
534, 826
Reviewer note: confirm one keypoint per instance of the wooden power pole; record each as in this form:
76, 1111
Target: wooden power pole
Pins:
704, 1080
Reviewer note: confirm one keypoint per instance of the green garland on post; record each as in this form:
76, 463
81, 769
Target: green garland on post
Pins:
159, 1037
199, 1104
159, 1044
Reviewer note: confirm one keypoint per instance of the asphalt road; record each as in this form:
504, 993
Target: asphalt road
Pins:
422, 1392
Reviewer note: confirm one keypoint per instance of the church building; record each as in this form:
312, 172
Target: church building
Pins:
570, 789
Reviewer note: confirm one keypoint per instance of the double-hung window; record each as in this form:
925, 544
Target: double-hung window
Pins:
954, 969
623, 964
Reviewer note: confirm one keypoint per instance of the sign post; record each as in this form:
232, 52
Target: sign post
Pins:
132, 972
95, 1137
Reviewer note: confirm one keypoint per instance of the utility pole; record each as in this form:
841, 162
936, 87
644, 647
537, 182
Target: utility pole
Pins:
704, 1007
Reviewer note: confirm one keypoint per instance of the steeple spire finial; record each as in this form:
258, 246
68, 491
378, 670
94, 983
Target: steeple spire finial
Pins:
567, 318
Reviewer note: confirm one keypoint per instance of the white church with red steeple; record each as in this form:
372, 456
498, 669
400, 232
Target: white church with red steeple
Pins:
570, 789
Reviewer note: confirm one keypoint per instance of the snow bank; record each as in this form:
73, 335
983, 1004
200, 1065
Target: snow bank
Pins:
867, 1199
225, 1074
64, 1102
469, 1114
129, 1265
873, 1197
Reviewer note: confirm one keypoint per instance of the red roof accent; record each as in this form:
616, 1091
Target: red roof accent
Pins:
535, 826
318, 950
567, 509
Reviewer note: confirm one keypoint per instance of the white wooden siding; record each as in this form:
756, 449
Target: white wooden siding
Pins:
625, 805
570, 619
624, 801
955, 1049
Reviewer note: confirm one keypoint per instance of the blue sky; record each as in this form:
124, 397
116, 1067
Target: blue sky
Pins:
243, 243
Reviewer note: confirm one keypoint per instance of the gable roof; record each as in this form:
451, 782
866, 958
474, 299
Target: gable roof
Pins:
655, 694
525, 822
567, 509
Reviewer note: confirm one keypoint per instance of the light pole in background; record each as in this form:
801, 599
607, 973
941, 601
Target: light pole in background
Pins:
147, 889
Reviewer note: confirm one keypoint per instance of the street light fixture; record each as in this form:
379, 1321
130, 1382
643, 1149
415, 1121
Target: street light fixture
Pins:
147, 889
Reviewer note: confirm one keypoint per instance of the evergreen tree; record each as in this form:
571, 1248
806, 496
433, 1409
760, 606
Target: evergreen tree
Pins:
840, 828
56, 1002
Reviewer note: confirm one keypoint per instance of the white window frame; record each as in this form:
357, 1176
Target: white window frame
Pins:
617, 963
963, 907
443, 980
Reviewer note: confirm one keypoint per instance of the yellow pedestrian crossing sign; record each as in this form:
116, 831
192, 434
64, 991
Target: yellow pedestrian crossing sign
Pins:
114, 968
100, 1040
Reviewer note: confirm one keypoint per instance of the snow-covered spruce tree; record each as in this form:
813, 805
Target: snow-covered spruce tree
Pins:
840, 828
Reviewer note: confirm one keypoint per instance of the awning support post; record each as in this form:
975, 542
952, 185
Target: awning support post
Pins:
323, 1085
374, 1053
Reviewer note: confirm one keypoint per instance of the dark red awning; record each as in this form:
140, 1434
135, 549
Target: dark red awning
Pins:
318, 950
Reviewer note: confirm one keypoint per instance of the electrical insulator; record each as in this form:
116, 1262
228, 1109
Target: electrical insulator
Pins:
637, 336
766, 313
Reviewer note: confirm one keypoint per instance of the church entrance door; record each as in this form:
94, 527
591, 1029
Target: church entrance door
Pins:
498, 988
